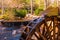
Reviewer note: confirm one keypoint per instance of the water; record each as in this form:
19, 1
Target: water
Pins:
9, 33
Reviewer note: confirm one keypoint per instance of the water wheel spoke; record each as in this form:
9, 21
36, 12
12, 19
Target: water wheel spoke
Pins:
51, 30
27, 30
50, 24
48, 29
58, 35
36, 36
40, 35
43, 30
54, 26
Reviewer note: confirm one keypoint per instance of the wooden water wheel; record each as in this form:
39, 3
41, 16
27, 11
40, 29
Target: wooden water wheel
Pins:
47, 29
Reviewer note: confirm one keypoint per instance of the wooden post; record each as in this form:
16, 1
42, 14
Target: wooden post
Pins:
45, 4
2, 7
59, 7
31, 6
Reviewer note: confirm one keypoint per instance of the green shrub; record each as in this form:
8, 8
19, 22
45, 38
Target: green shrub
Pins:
20, 13
5, 17
37, 11
8, 14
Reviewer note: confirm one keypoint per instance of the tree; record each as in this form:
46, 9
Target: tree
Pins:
47, 3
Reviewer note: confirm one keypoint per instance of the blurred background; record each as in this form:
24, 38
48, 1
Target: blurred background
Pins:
20, 8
